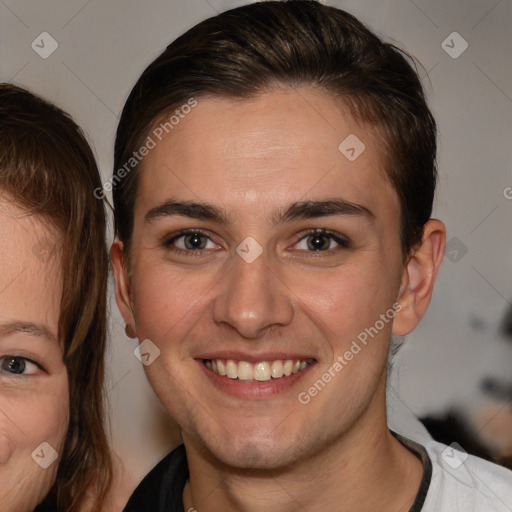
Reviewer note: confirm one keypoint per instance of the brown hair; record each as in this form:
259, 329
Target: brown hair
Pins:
48, 168
250, 50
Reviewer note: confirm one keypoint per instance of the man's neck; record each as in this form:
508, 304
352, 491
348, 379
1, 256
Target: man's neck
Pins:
367, 469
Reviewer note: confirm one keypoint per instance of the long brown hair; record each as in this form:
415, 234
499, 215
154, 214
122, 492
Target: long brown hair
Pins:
258, 47
48, 168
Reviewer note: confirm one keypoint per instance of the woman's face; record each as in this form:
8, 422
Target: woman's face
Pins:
34, 400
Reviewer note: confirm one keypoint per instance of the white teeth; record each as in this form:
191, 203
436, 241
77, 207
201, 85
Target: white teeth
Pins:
221, 369
245, 371
277, 369
231, 369
262, 371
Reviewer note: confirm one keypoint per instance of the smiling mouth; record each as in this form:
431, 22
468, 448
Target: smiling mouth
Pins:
259, 372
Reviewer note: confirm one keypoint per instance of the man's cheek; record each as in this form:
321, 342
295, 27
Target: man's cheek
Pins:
167, 292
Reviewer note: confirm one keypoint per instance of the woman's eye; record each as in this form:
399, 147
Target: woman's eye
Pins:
320, 241
192, 241
16, 365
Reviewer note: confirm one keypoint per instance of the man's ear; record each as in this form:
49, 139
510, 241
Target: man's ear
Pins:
123, 285
418, 278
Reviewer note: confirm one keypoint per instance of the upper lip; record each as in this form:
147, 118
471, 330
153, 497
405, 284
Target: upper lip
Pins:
254, 357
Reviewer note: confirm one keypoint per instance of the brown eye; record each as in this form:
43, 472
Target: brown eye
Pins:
190, 240
321, 241
194, 241
318, 242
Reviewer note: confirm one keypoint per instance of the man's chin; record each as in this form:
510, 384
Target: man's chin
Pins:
252, 455
249, 453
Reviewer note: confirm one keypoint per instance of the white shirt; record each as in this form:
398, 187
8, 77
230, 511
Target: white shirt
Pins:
459, 482
464, 483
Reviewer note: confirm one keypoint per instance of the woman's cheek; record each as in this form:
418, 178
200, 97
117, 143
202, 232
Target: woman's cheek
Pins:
31, 418
52, 417
33, 428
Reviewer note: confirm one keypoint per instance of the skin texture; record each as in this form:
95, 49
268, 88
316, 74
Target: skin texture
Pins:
252, 159
33, 405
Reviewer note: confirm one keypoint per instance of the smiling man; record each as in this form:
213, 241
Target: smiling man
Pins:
275, 172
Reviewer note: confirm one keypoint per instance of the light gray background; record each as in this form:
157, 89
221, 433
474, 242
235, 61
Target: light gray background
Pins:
103, 46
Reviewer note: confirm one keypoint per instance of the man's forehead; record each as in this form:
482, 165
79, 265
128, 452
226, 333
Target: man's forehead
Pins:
278, 124
272, 169
218, 199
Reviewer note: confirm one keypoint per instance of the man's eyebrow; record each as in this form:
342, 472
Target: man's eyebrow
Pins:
190, 209
294, 211
29, 328
314, 209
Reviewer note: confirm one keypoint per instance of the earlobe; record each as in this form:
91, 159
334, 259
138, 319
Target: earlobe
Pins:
122, 283
419, 276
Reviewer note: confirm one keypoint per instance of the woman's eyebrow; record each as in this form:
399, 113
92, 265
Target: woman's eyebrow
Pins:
33, 329
293, 211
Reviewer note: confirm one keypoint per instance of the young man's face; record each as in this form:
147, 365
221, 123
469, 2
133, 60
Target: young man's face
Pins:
34, 397
261, 167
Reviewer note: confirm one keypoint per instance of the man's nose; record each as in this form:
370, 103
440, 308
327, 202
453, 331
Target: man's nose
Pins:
253, 298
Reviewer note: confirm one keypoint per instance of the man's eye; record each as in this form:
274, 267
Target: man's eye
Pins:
191, 241
17, 365
321, 241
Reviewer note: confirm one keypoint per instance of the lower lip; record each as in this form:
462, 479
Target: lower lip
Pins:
251, 389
